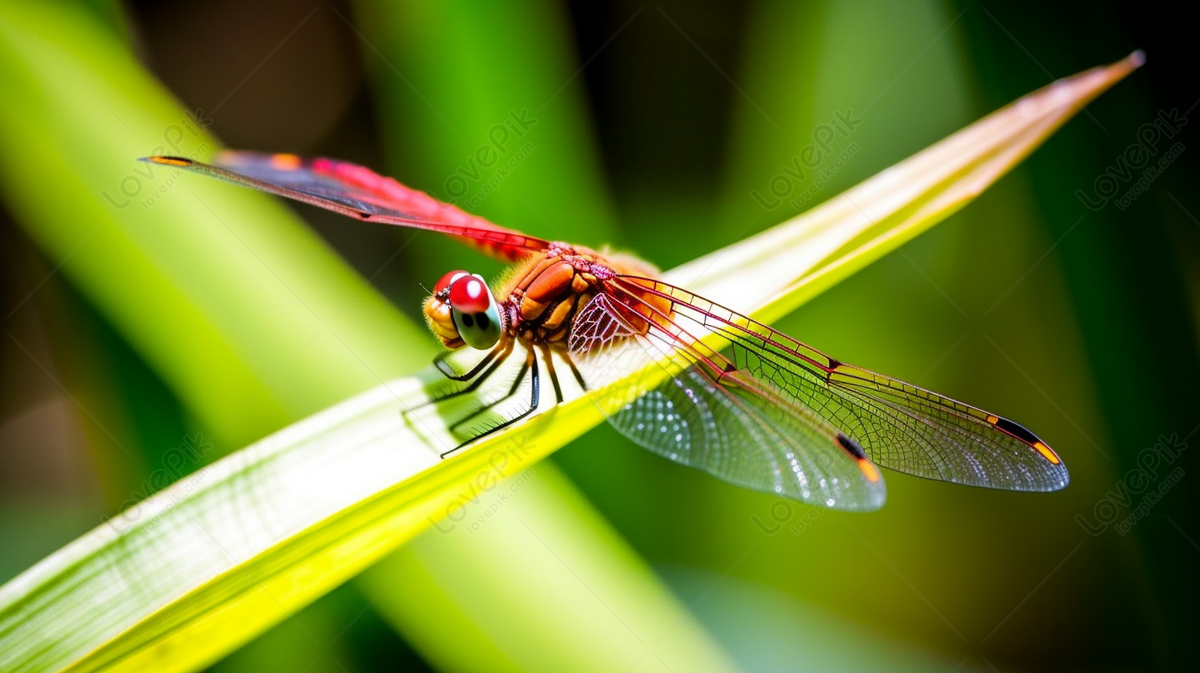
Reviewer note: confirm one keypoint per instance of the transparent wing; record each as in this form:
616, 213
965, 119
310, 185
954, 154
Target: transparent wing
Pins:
358, 192
735, 427
900, 426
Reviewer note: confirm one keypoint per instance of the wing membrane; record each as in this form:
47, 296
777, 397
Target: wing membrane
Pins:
734, 427
900, 426
360, 193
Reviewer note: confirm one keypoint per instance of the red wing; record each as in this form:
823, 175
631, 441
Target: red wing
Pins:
360, 193
899, 425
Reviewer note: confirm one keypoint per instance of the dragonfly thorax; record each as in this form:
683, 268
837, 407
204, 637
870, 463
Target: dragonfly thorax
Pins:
542, 297
537, 301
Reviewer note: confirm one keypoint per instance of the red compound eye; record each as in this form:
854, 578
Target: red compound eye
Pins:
469, 294
447, 279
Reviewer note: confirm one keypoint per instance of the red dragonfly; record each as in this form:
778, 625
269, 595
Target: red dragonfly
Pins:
758, 408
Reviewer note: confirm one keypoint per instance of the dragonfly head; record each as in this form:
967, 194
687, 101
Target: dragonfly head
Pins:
463, 311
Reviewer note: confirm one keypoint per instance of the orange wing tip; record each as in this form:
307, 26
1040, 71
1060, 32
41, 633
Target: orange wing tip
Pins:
869, 470
1046, 452
860, 458
285, 162
1020, 432
168, 161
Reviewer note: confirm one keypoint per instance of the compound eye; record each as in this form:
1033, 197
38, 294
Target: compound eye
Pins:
475, 312
469, 294
446, 281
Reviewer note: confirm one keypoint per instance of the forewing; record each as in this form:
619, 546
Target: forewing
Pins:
900, 426
736, 428
360, 193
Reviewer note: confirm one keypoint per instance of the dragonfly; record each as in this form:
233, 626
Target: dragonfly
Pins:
734, 397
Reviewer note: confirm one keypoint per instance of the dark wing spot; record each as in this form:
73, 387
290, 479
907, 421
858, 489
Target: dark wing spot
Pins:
168, 160
1017, 430
851, 446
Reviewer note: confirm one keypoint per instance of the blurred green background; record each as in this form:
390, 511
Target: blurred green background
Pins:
658, 128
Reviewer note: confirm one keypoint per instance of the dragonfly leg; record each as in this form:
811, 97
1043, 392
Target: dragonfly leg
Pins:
534, 398
558, 396
448, 372
575, 370
520, 378
496, 357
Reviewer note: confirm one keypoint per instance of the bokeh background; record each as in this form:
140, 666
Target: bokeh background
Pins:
656, 125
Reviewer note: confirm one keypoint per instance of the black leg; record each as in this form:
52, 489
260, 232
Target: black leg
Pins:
499, 354
534, 398
558, 398
511, 391
575, 370
496, 356
444, 367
